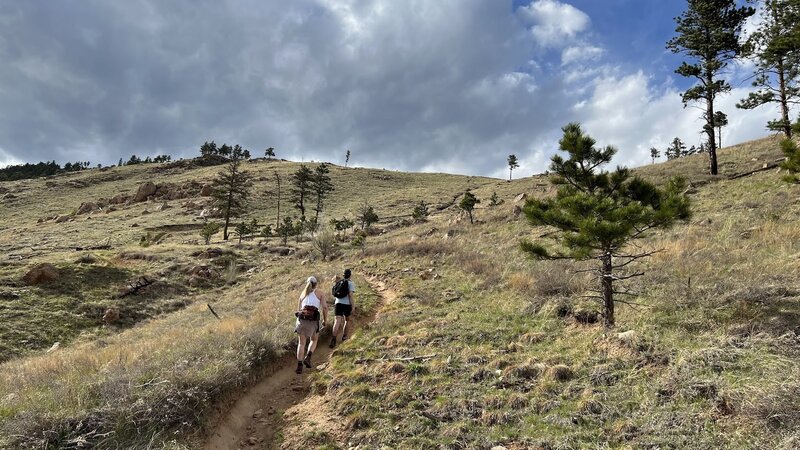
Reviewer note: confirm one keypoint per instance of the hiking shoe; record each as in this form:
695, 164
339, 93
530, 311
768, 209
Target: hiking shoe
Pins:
333, 342
307, 360
299, 369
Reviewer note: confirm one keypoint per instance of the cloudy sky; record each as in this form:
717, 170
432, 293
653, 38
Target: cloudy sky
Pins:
422, 85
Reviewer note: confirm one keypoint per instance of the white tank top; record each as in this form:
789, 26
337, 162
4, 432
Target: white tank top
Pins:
312, 300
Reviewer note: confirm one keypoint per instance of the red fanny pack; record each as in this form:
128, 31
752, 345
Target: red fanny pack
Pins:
309, 313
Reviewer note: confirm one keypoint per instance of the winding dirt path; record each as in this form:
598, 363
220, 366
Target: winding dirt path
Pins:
259, 417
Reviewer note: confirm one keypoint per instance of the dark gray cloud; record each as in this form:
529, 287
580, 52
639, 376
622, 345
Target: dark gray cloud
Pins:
449, 85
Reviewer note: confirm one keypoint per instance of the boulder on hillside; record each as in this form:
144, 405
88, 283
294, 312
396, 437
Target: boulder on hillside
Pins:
145, 190
118, 199
206, 190
283, 251
520, 199
88, 207
62, 219
41, 274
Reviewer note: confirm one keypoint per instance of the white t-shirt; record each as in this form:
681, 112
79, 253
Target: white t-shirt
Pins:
346, 300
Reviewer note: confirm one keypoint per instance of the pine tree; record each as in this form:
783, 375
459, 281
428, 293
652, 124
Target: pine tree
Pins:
792, 162
708, 33
494, 200
654, 154
420, 212
677, 149
321, 187
775, 46
209, 230
301, 189
231, 188
346, 158
278, 181
269, 153
512, 164
720, 120
599, 213
468, 202
208, 149
367, 216
285, 229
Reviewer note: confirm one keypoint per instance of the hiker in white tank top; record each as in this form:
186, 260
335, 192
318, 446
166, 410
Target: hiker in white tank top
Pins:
312, 313
312, 300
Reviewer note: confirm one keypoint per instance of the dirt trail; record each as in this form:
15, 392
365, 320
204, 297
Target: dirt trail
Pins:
258, 417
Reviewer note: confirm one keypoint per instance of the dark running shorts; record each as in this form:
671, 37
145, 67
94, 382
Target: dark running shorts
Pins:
340, 309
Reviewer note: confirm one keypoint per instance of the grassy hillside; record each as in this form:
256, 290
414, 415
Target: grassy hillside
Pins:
508, 351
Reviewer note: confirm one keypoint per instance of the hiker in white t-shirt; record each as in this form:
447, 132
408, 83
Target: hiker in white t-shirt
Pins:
311, 303
344, 306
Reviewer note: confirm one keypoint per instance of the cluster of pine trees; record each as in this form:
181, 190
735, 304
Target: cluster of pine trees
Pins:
40, 169
134, 160
709, 34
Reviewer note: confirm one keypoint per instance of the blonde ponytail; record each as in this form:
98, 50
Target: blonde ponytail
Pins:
308, 289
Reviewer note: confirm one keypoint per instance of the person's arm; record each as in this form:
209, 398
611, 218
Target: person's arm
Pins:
352, 301
324, 303
300, 305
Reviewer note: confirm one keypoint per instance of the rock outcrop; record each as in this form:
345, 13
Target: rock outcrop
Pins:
41, 274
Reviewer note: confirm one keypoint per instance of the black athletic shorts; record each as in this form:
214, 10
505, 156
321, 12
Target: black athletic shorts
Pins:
340, 309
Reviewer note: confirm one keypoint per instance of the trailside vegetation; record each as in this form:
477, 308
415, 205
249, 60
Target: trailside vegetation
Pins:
708, 34
598, 213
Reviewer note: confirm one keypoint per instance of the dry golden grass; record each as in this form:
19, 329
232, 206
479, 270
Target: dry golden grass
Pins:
712, 364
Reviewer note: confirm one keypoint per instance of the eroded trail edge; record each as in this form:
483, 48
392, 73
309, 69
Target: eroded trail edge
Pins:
267, 413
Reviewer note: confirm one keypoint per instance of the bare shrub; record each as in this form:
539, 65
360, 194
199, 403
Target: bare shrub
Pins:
558, 278
325, 243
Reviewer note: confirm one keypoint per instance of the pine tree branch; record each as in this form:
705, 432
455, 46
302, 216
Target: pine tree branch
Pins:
634, 304
624, 277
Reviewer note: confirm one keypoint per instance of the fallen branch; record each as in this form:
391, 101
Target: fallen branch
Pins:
135, 286
406, 359
769, 166
94, 247
213, 312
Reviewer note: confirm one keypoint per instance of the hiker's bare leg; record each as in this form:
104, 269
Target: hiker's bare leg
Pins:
301, 347
348, 327
312, 346
337, 326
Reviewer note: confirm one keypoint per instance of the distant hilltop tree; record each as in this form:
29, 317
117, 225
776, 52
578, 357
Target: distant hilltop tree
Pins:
775, 47
654, 154
346, 158
599, 214
708, 34
676, 150
269, 153
512, 164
